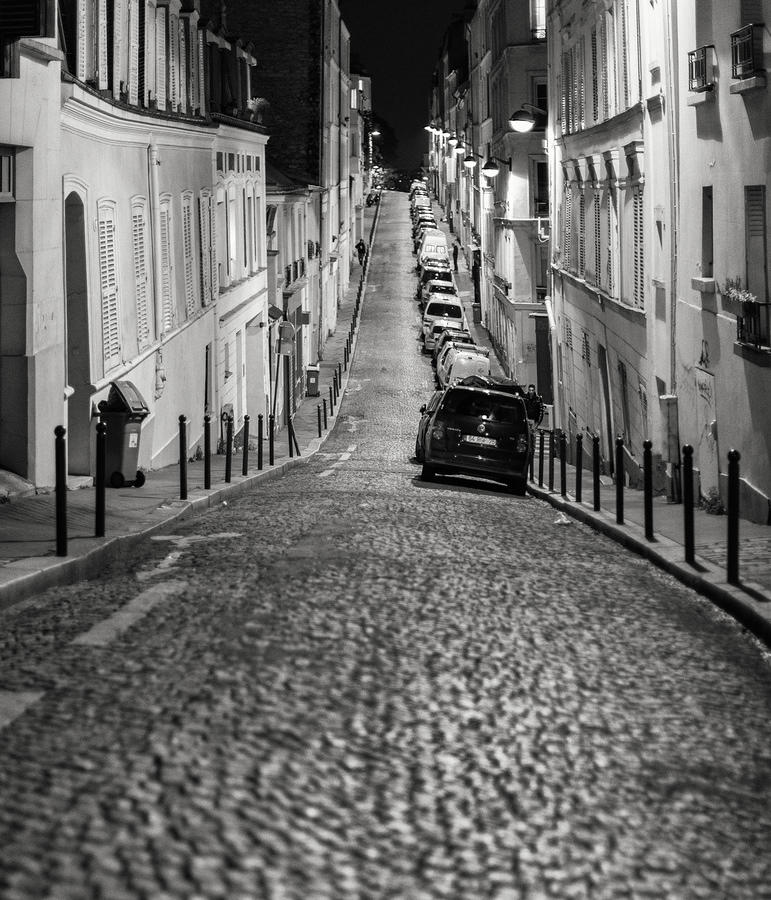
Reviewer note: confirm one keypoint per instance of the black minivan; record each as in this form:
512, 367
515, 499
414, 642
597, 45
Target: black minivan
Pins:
478, 432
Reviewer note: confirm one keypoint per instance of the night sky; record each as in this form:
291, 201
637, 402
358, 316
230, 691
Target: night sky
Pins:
397, 42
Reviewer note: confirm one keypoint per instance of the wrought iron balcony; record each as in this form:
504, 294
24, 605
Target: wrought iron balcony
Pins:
747, 51
700, 70
752, 326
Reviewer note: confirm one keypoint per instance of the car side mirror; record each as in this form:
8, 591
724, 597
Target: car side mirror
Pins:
422, 409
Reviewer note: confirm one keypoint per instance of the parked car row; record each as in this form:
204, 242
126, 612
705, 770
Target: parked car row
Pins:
473, 425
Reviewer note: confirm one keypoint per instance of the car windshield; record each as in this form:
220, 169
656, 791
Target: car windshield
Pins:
450, 310
486, 406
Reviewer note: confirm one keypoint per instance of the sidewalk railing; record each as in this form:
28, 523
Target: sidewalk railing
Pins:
557, 449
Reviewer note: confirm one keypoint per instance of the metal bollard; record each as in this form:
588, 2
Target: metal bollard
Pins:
331, 400
688, 503
596, 471
207, 452
336, 385
271, 438
563, 464
540, 459
318, 417
182, 458
648, 489
551, 460
619, 481
732, 556
228, 449
245, 461
324, 401
260, 430
290, 438
579, 466
340, 376
60, 460
101, 455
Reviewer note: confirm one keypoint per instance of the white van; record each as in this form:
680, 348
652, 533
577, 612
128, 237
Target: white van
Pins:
444, 310
433, 245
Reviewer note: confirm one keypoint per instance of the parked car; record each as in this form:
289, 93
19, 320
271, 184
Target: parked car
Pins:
437, 286
477, 432
439, 271
458, 335
445, 310
432, 245
460, 361
426, 412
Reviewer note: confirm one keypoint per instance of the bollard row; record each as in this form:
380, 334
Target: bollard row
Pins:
558, 449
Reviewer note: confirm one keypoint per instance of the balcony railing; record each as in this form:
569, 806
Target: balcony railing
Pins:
752, 326
747, 51
700, 70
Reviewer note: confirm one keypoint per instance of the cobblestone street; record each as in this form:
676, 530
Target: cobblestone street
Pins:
354, 685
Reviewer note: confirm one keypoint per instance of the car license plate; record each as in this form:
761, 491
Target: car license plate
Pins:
479, 439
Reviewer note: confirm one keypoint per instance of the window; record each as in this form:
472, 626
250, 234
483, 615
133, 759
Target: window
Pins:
188, 254
167, 287
141, 275
707, 235
753, 323
538, 19
747, 51
7, 174
108, 284
700, 70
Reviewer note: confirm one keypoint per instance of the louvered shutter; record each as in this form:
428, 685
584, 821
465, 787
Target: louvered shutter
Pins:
193, 63
183, 81
214, 278
139, 242
639, 248
187, 252
581, 234
84, 40
201, 74
108, 282
102, 32
604, 68
597, 239
118, 47
167, 299
204, 231
581, 83
133, 60
567, 254
755, 238
160, 57
564, 95
173, 59
609, 273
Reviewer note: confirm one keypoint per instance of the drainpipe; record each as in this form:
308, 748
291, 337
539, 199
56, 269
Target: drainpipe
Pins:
674, 180
155, 231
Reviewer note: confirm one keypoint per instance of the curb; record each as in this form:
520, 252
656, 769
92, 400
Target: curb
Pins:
706, 578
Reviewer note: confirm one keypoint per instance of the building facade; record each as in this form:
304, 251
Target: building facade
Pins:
722, 343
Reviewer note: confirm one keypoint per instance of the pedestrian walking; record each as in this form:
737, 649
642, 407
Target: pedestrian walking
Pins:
455, 255
361, 249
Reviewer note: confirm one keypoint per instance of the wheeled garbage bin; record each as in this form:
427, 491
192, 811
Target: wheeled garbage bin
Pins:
312, 381
123, 412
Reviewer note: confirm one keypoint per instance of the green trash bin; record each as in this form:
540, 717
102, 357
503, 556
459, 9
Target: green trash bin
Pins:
312, 381
123, 412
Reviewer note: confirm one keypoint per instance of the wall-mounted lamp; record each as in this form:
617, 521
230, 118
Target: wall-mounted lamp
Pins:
490, 168
523, 120
469, 161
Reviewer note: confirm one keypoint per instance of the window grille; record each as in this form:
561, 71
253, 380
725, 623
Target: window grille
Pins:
747, 51
700, 70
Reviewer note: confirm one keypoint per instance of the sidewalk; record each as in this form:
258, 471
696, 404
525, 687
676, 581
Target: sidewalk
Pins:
28, 560
28, 563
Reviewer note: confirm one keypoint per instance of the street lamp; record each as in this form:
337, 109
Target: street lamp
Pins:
523, 120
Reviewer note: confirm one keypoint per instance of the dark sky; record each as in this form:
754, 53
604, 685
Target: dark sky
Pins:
397, 42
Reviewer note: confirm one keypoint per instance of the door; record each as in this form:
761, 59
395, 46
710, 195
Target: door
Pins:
706, 455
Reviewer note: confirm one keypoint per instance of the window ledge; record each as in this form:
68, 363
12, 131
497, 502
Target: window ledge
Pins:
748, 84
699, 98
761, 356
704, 285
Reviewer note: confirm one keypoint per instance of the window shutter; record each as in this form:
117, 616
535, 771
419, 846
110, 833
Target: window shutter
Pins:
604, 68
624, 58
214, 277
595, 79
167, 299
139, 241
193, 74
609, 222
187, 252
751, 12
103, 67
204, 230
108, 282
183, 83
160, 57
581, 234
597, 239
85, 40
134, 45
117, 27
173, 58
201, 75
567, 253
564, 94
755, 239
639, 248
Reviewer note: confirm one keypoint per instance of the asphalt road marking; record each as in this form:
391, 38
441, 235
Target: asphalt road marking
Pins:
344, 457
182, 542
107, 630
14, 703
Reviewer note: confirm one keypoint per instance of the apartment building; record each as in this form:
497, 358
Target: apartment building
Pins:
611, 124
136, 209
722, 340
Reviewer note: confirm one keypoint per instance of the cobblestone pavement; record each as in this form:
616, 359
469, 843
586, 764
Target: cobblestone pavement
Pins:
350, 684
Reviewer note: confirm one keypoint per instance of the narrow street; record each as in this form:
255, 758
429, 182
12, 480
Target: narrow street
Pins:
353, 684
